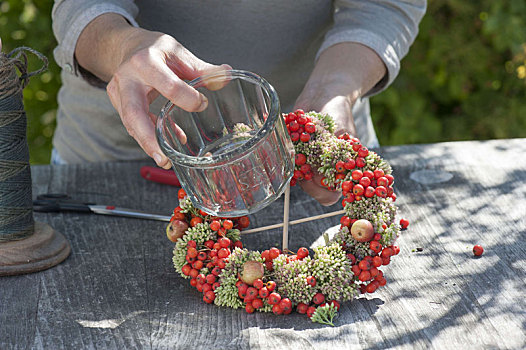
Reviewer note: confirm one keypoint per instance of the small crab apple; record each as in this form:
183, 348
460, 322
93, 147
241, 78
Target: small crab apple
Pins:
251, 271
404, 223
362, 230
176, 230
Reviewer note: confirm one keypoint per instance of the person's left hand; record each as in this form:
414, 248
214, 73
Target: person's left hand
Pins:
343, 73
327, 100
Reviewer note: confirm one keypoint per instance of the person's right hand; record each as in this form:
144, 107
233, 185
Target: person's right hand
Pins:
139, 65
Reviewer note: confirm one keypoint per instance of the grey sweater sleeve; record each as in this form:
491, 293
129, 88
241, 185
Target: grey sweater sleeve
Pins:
388, 27
70, 17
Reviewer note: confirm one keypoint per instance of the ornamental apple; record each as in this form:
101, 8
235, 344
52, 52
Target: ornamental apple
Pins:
362, 230
176, 230
251, 271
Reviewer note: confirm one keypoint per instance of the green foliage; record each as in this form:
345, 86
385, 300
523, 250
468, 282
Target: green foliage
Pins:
464, 78
28, 23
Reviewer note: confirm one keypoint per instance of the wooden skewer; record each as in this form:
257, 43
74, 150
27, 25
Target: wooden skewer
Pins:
299, 221
286, 205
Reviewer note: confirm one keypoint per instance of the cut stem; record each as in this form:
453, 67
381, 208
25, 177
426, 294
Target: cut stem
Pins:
294, 222
286, 205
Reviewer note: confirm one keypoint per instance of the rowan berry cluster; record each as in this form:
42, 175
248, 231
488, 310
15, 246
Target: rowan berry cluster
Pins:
208, 250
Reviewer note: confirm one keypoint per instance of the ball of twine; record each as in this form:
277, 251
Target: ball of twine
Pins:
16, 205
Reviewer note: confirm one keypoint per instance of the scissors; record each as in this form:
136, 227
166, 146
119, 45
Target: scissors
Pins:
58, 202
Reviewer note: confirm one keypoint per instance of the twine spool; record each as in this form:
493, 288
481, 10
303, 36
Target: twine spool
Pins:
16, 205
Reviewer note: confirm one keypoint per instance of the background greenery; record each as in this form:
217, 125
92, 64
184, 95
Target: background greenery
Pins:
464, 78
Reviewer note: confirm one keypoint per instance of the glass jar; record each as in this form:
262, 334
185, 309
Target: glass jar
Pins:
235, 157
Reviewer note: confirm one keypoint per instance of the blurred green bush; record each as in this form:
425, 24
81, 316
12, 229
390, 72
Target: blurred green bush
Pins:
464, 78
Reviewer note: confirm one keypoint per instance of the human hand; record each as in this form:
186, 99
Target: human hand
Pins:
142, 64
343, 73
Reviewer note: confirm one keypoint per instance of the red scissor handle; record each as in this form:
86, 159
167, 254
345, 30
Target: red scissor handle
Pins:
160, 175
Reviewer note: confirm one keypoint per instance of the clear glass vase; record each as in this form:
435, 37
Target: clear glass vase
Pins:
236, 156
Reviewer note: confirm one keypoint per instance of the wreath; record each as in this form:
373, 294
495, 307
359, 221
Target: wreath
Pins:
208, 250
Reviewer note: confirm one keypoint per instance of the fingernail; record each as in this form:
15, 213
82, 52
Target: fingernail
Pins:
158, 159
204, 103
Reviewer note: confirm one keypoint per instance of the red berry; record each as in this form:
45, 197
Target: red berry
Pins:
347, 186
302, 253
181, 194
294, 126
378, 173
274, 298
238, 244
228, 224
318, 298
345, 221
286, 305
386, 253
298, 175
404, 223
249, 308
202, 256
223, 253
221, 263
263, 292
377, 261
276, 309
257, 303
216, 271
252, 293
210, 278
258, 283
224, 242
340, 166
358, 190
311, 281
374, 272
371, 287
356, 145
195, 221
390, 178
305, 168
351, 257
198, 264
350, 164
274, 253
304, 137
186, 269
302, 308
369, 191
478, 250
310, 311
209, 297
363, 152
310, 128
265, 255
201, 278
364, 265
294, 136
381, 280
356, 270
364, 276
194, 273
193, 282
206, 287
300, 159
360, 162
192, 252
381, 191
396, 249
356, 175
271, 285
365, 181
382, 181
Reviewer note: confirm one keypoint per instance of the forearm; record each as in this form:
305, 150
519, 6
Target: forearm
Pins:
99, 48
349, 69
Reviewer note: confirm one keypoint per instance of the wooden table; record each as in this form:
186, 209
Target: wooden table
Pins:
118, 289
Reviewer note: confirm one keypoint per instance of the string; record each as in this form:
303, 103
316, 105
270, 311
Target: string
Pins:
16, 206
